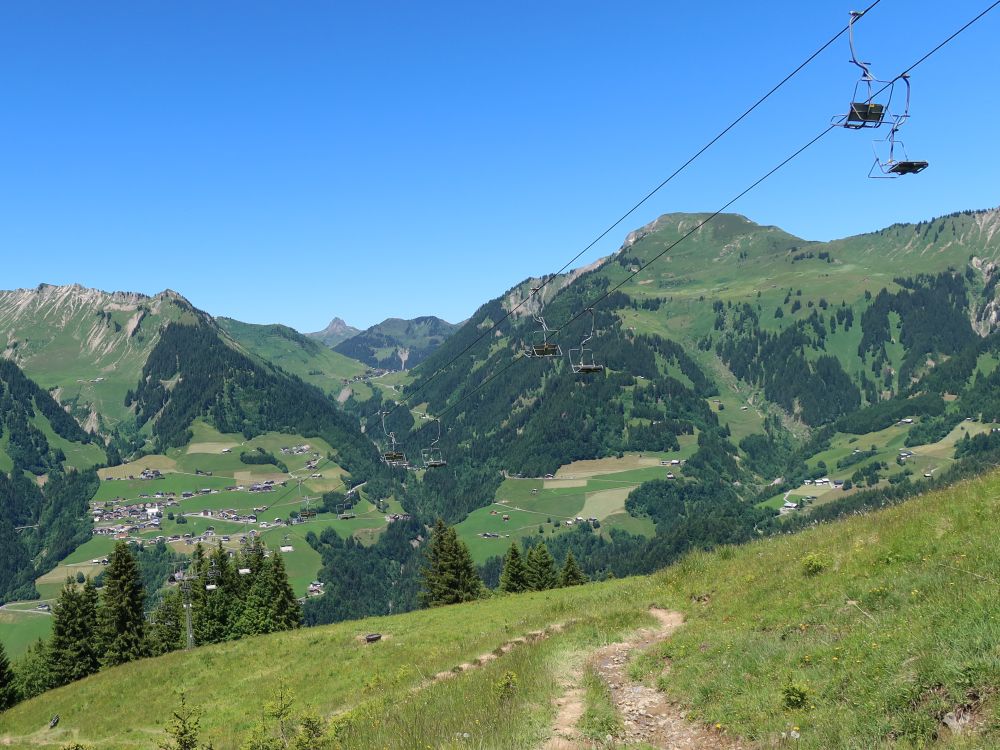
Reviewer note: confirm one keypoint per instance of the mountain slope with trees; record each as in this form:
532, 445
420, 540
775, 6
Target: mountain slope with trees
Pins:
397, 344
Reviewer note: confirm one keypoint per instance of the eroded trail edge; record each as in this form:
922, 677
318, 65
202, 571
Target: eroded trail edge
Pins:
647, 715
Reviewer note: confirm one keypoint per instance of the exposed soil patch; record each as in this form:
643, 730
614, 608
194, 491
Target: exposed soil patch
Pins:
647, 714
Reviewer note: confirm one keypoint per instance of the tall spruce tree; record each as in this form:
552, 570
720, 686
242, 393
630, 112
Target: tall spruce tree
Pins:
449, 575
222, 601
73, 652
286, 613
514, 576
255, 616
8, 688
541, 569
122, 623
571, 575
167, 629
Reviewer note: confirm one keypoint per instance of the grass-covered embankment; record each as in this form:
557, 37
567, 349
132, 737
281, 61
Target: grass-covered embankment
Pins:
861, 633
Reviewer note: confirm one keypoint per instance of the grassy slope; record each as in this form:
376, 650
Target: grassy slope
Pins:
899, 627
733, 260
298, 354
20, 626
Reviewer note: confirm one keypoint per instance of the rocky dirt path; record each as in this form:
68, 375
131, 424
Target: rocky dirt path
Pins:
648, 716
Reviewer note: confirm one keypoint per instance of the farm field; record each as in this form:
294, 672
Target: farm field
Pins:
583, 489
21, 624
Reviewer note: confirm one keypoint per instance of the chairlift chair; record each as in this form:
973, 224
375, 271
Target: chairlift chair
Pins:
392, 456
540, 345
864, 112
431, 455
581, 359
892, 167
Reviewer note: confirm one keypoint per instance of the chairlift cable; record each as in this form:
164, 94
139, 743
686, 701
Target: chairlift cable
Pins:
639, 204
824, 132
519, 355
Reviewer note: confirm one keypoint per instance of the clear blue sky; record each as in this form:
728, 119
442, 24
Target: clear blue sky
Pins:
294, 161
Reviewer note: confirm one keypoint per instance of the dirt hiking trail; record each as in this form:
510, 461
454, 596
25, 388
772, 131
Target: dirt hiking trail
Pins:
648, 715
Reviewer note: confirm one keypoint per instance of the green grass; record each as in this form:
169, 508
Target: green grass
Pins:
600, 717
897, 625
309, 359
530, 503
19, 628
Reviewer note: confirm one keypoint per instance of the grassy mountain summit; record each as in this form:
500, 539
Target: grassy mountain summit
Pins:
396, 343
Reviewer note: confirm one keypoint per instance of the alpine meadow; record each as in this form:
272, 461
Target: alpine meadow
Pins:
704, 484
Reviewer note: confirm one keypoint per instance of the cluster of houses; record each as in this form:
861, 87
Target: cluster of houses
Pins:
229, 514
132, 518
146, 474
370, 373
297, 450
791, 505
825, 482
398, 517
266, 486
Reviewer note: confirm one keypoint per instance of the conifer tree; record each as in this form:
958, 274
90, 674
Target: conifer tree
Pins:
286, 613
514, 577
255, 617
32, 675
222, 597
449, 575
571, 575
541, 569
121, 619
184, 728
167, 632
73, 652
8, 690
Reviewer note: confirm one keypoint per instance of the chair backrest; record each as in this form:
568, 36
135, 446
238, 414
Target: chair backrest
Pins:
866, 112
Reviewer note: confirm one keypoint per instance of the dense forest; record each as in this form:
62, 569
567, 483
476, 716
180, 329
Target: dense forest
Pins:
51, 519
192, 372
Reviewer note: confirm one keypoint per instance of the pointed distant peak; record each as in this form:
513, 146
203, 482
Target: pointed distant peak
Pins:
338, 330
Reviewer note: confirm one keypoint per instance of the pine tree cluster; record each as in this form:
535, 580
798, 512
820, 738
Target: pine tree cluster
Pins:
229, 597
536, 570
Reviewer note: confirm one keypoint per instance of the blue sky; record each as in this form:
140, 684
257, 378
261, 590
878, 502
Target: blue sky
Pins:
288, 162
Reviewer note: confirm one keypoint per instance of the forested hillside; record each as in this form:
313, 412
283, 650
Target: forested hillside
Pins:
744, 336
300, 355
193, 372
39, 525
396, 344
